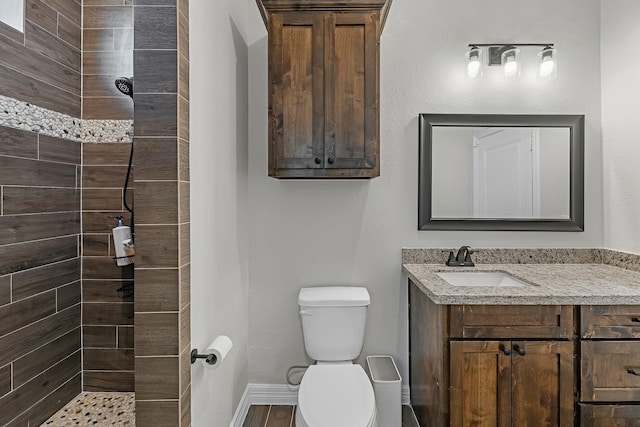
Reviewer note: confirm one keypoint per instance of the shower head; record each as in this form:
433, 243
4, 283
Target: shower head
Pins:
125, 85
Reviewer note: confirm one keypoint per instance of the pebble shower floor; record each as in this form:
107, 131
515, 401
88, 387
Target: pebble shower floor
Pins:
96, 409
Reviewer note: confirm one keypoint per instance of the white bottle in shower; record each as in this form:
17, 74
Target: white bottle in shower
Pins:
121, 234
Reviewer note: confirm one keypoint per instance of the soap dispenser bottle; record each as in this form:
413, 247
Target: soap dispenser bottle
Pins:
122, 241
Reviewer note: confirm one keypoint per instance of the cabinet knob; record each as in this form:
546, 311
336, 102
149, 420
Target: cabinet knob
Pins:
505, 350
330, 160
520, 350
317, 160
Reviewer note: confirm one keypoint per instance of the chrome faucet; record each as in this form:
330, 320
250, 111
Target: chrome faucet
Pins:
462, 258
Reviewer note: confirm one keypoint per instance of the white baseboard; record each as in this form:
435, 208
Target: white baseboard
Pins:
241, 410
276, 394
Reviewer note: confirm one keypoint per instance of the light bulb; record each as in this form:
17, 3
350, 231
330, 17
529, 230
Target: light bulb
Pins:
510, 60
546, 67
548, 63
510, 68
473, 68
474, 62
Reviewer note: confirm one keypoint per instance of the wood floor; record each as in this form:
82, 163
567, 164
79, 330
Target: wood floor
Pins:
284, 416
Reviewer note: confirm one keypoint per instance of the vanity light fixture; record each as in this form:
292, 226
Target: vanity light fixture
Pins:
507, 55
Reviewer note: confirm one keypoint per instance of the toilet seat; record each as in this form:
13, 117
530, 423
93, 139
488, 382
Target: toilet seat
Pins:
335, 396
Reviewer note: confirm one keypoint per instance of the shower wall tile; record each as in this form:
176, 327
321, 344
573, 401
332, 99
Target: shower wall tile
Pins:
94, 267
95, 244
23, 256
37, 280
21, 399
159, 292
18, 143
68, 295
31, 200
41, 411
59, 150
108, 362
155, 27
156, 334
104, 291
104, 313
156, 245
99, 336
108, 380
5, 290
161, 147
69, 32
110, 359
157, 158
102, 199
156, 71
157, 413
126, 336
158, 378
5, 380
156, 115
31, 364
158, 200
107, 55
43, 66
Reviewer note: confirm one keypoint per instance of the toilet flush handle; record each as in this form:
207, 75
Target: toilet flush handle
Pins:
305, 312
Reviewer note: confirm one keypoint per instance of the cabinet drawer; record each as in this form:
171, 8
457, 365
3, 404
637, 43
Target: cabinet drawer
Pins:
609, 415
610, 371
605, 321
511, 321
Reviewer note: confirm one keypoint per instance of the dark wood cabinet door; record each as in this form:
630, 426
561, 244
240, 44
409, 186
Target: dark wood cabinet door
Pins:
296, 97
480, 374
609, 415
610, 371
542, 383
351, 59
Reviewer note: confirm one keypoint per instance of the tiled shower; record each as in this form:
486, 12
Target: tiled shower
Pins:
67, 312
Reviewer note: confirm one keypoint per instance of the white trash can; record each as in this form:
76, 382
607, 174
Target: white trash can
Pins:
387, 389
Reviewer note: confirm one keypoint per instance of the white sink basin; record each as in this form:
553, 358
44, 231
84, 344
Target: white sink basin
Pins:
480, 278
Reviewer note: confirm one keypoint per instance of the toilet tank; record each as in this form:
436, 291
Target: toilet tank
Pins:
333, 320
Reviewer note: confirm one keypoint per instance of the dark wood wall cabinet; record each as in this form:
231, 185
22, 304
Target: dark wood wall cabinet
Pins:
324, 87
477, 365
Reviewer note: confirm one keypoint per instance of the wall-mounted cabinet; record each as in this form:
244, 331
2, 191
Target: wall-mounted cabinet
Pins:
324, 115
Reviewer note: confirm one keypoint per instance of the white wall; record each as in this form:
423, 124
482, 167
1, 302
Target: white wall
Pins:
620, 109
351, 232
219, 203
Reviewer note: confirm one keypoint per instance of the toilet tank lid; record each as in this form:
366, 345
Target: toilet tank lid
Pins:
334, 296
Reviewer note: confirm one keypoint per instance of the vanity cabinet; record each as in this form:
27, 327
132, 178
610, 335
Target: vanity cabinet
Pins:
504, 383
324, 87
610, 366
491, 365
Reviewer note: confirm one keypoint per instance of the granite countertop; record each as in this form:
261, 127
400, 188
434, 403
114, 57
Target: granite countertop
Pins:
569, 284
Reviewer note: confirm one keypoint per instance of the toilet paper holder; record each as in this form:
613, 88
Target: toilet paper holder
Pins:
210, 358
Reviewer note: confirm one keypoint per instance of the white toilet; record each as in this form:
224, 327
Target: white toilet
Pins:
334, 392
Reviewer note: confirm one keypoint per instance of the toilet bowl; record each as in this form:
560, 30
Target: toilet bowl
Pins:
336, 396
334, 392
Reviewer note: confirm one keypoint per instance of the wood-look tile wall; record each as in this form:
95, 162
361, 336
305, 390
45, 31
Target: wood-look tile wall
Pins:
107, 53
40, 338
107, 322
161, 147
43, 65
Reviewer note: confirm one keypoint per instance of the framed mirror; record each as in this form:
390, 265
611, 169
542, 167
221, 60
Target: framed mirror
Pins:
501, 172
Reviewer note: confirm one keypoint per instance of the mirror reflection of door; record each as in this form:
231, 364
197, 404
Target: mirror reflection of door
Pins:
506, 173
